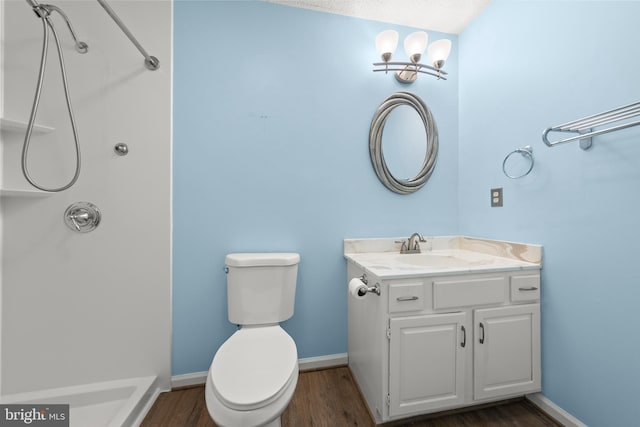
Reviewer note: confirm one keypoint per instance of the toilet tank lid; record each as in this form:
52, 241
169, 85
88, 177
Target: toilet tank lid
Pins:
261, 259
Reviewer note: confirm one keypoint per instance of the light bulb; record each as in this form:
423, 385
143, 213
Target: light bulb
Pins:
439, 52
415, 44
386, 43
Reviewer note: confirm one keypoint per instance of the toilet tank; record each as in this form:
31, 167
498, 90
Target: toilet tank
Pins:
261, 287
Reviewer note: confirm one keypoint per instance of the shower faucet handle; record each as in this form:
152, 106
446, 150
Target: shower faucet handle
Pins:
82, 217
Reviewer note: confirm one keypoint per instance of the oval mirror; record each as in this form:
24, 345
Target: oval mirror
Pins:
410, 144
404, 142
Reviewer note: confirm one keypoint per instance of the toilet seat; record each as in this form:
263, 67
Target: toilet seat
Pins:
254, 367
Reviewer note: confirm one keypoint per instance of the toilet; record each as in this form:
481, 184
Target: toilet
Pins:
254, 373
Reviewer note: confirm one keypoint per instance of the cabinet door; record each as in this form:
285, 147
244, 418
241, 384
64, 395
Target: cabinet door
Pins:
426, 362
506, 351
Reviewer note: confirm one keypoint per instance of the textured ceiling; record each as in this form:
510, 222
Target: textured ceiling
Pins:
447, 16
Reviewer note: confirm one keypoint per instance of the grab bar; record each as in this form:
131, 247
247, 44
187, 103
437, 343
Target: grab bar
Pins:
584, 127
151, 62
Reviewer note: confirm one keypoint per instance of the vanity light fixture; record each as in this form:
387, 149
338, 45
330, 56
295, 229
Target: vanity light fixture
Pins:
414, 46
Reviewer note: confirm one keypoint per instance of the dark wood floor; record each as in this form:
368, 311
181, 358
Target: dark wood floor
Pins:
330, 398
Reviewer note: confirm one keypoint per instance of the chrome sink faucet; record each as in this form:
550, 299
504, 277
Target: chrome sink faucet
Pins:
412, 246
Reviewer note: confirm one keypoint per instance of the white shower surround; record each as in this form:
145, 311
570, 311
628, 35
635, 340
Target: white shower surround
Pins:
95, 307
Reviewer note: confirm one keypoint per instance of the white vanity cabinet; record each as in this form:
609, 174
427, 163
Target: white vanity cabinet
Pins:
431, 343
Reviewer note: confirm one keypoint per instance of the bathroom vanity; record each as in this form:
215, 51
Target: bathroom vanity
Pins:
455, 325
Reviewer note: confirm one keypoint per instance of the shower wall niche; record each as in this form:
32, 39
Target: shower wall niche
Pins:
80, 308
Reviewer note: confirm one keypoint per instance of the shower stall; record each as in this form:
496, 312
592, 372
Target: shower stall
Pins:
85, 313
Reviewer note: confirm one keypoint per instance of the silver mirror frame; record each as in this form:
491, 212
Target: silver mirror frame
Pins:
403, 186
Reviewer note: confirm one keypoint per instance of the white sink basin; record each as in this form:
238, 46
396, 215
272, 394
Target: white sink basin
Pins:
432, 260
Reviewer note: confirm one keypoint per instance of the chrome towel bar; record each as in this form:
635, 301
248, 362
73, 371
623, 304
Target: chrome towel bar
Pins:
584, 127
151, 62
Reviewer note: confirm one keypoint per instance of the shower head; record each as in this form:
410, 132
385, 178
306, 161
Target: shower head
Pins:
39, 10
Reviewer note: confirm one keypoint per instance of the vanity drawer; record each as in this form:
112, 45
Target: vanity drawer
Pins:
466, 292
525, 288
407, 296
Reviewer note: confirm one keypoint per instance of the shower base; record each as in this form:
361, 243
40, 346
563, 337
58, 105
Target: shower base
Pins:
120, 403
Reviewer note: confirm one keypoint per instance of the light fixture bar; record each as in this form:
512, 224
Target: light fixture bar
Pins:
410, 67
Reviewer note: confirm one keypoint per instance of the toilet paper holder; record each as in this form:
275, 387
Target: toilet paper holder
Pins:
365, 289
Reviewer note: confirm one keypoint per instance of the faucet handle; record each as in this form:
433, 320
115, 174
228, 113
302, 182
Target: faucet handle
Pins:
403, 248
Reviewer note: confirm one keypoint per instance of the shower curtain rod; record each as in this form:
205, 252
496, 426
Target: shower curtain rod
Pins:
151, 62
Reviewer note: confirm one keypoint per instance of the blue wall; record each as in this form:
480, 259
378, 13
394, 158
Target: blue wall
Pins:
525, 66
272, 107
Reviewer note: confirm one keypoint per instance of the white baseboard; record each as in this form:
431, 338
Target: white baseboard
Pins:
323, 362
188, 380
304, 364
554, 411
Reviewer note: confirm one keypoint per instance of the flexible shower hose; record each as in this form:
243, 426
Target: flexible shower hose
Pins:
43, 11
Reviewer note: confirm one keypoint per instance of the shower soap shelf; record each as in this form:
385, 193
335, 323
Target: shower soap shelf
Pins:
16, 126
19, 126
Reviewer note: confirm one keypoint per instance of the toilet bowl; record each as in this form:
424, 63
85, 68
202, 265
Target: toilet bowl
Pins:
254, 373
252, 378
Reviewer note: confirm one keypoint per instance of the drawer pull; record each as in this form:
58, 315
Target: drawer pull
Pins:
482, 330
411, 298
464, 337
530, 288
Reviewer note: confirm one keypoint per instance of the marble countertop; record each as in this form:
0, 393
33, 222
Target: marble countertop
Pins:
441, 256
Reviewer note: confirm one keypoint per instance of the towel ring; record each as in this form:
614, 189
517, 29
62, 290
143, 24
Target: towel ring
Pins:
526, 152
